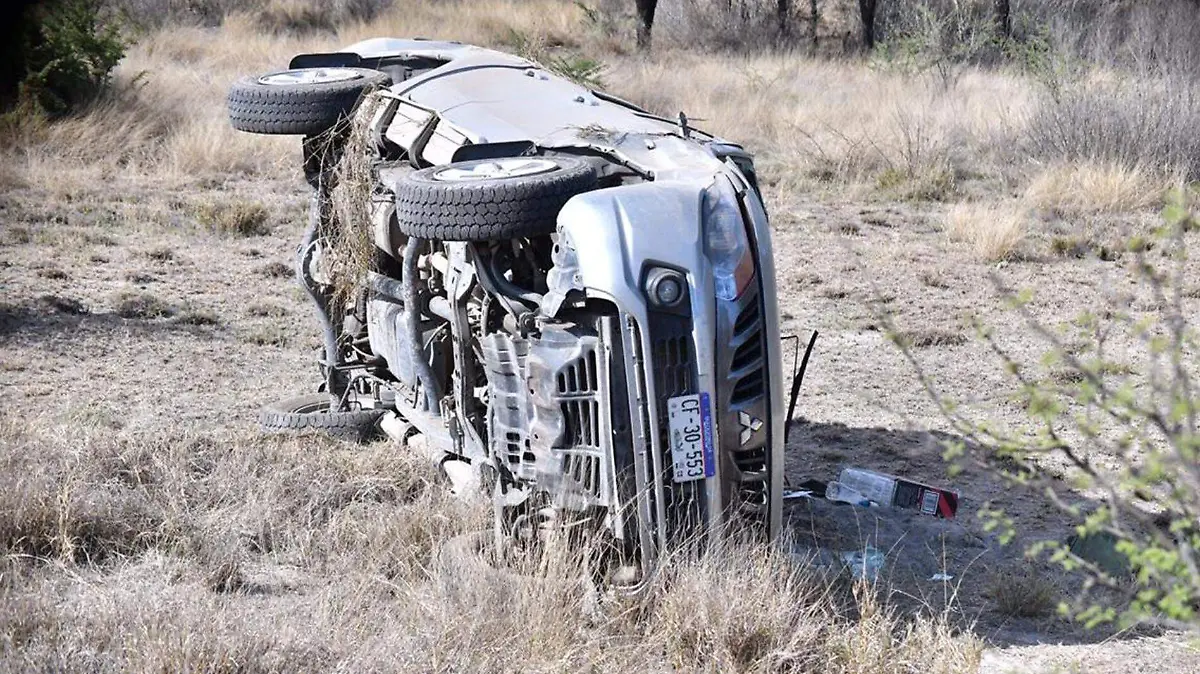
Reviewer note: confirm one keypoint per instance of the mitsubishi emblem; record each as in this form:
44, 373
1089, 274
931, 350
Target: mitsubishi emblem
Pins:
750, 426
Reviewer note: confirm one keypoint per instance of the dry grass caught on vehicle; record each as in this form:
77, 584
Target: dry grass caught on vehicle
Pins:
351, 201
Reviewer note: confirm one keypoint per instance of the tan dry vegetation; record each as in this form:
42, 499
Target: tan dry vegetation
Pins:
179, 546
820, 121
815, 121
1074, 189
177, 542
993, 231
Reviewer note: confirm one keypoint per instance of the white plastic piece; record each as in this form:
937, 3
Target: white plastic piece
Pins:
836, 491
463, 478
874, 486
396, 428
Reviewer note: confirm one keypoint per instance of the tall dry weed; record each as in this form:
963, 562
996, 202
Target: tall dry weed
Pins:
993, 231
1096, 188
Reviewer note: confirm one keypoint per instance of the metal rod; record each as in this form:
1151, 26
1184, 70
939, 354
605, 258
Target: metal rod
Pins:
796, 382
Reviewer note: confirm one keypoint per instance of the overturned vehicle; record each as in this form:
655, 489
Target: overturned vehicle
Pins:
570, 295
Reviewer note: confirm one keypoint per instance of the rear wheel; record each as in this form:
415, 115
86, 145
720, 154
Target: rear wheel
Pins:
304, 101
312, 412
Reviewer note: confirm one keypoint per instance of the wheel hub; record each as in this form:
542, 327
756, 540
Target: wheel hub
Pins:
513, 167
309, 76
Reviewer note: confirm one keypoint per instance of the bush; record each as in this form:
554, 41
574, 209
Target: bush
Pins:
66, 55
277, 16
1135, 122
1128, 430
234, 218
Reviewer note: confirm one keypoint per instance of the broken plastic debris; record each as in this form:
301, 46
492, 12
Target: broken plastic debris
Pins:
797, 493
941, 577
864, 564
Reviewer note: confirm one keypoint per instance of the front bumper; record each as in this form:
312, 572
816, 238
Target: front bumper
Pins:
729, 350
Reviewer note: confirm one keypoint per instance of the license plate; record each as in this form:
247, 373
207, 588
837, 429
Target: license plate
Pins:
690, 421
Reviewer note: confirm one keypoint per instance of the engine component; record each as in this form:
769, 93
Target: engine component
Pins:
546, 421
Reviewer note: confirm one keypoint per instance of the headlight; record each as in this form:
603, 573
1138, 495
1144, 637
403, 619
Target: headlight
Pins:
725, 238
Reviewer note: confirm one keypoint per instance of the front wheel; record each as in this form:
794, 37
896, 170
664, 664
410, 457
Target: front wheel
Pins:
490, 199
312, 412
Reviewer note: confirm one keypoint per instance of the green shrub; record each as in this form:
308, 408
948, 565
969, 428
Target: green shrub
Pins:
1115, 400
65, 55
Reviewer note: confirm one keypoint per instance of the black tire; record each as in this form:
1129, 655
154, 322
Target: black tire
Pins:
490, 209
297, 109
311, 412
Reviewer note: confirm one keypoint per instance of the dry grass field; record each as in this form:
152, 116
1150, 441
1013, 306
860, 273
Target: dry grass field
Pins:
147, 310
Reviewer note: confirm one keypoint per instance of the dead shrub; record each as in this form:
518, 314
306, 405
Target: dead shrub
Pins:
1133, 121
199, 317
236, 218
1096, 188
266, 336
54, 274
744, 608
63, 305
139, 304
161, 254
265, 310
930, 338
277, 270
1023, 594
993, 231
66, 506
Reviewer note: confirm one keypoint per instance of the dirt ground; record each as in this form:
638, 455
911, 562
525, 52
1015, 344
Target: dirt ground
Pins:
119, 306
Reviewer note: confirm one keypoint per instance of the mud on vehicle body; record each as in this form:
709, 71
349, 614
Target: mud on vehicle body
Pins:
572, 296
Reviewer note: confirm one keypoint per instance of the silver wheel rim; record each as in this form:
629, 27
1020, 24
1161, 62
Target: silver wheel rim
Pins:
309, 76
514, 167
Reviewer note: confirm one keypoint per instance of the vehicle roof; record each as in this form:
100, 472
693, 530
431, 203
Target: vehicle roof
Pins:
494, 97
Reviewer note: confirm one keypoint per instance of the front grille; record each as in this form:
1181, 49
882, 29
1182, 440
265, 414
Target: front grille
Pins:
674, 367
578, 384
746, 354
747, 368
546, 422
584, 470
673, 362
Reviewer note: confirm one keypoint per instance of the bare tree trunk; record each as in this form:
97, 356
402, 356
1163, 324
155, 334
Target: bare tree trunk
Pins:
866, 13
645, 11
1004, 18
